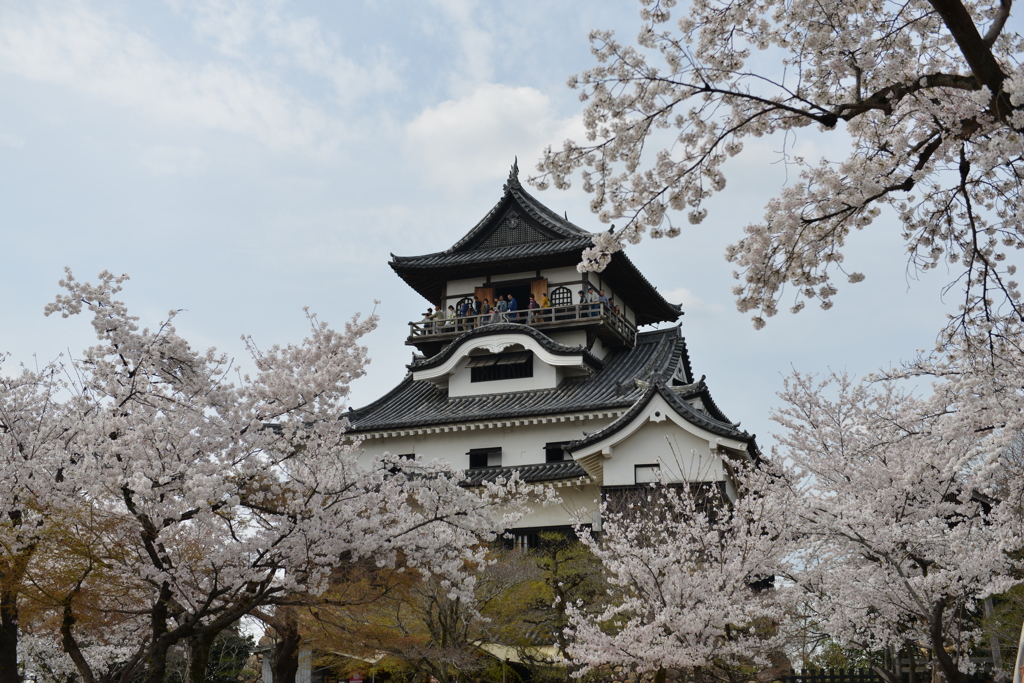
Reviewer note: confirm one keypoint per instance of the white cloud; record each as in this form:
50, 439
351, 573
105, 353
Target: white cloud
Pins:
474, 139
229, 24
83, 50
476, 43
235, 26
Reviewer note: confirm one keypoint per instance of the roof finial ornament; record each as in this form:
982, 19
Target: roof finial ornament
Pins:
513, 176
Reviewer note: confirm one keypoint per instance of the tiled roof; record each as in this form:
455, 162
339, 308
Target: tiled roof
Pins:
546, 217
447, 259
550, 471
504, 328
419, 403
547, 240
680, 405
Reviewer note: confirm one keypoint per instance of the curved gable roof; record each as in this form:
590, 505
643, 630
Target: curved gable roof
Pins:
504, 328
545, 223
417, 403
681, 406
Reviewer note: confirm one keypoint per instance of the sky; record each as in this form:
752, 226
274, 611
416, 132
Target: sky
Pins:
241, 160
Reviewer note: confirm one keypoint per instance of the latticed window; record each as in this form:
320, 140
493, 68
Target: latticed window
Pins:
502, 366
561, 296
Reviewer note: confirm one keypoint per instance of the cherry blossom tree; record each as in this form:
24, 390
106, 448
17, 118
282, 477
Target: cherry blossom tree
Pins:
33, 435
233, 492
928, 93
886, 520
898, 538
691, 575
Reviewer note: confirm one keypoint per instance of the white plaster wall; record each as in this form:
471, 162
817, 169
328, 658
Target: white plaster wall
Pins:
460, 382
460, 288
522, 445
560, 276
579, 503
682, 455
569, 337
505, 277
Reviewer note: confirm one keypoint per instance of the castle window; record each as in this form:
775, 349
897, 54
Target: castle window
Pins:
647, 474
553, 451
501, 366
484, 457
561, 296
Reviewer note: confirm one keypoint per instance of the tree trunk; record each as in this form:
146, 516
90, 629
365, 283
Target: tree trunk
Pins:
286, 652
157, 660
946, 666
198, 650
9, 636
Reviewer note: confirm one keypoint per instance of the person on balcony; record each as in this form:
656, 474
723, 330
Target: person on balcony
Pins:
532, 308
428, 321
449, 320
545, 302
485, 311
513, 306
605, 300
502, 311
594, 300
475, 309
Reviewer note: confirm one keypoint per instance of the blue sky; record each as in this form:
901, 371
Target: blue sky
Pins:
241, 160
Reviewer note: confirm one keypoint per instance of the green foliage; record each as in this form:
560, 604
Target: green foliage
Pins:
1005, 623
227, 664
830, 655
228, 658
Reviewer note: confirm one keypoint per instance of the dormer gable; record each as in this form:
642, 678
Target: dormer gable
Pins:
502, 359
517, 219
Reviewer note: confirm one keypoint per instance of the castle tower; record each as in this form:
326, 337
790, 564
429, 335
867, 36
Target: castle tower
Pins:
575, 395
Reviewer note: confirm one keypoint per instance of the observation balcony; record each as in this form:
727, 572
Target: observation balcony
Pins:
611, 328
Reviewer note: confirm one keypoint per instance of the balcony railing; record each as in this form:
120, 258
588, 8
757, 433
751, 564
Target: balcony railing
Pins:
542, 318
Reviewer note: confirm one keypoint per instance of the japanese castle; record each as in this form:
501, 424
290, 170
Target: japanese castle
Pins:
576, 396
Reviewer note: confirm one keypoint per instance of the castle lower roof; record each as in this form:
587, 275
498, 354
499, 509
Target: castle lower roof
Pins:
548, 471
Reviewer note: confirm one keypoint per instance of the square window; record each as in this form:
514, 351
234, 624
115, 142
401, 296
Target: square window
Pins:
553, 452
484, 457
647, 474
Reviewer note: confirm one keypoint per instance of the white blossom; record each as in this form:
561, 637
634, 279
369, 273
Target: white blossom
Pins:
928, 110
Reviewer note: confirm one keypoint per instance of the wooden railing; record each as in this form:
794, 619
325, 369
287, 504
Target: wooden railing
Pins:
543, 318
